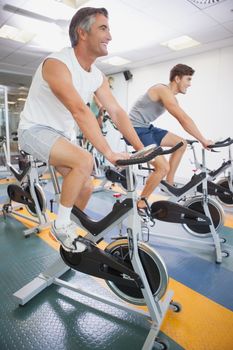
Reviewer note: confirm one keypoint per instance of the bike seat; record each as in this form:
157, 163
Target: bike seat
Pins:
190, 142
39, 163
24, 153
195, 180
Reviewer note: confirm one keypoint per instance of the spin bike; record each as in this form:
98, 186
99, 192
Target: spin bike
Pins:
187, 195
27, 191
133, 270
222, 188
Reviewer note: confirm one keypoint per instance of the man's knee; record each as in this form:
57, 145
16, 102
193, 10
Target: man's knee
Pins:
161, 166
87, 162
183, 148
88, 187
164, 169
84, 164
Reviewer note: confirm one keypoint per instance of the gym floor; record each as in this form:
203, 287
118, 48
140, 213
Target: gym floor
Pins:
58, 318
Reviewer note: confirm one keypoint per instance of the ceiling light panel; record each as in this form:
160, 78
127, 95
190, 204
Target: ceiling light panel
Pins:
42, 10
180, 43
16, 34
48, 36
116, 61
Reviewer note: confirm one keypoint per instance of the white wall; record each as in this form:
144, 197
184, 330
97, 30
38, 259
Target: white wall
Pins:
208, 101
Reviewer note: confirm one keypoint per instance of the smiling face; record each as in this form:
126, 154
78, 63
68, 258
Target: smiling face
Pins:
98, 37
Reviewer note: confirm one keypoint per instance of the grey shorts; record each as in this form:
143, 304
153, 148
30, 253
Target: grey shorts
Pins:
38, 141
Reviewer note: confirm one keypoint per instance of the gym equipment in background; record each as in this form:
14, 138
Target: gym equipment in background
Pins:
27, 191
220, 180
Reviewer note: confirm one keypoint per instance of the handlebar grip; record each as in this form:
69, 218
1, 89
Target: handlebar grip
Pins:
173, 149
142, 159
219, 145
223, 141
140, 156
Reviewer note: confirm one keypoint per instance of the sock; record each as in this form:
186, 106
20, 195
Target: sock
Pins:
63, 216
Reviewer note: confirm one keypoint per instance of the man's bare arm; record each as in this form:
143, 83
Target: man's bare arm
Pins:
118, 115
171, 105
59, 79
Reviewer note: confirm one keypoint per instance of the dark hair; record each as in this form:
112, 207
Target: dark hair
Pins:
180, 70
84, 18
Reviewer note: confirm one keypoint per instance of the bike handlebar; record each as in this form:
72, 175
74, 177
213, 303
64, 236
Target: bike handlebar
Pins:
219, 144
146, 154
173, 149
222, 141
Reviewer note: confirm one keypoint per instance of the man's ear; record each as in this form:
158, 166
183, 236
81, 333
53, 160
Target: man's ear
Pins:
177, 79
81, 33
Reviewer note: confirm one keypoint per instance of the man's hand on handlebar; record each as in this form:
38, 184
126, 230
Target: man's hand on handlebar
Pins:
206, 143
113, 156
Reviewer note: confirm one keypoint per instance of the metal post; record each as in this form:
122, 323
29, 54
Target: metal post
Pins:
7, 124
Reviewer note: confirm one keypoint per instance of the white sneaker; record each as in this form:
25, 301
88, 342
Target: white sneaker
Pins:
67, 236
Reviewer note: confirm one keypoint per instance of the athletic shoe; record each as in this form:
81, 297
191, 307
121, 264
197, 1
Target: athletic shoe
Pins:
68, 238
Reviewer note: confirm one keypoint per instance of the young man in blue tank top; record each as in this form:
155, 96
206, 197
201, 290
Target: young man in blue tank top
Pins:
158, 99
60, 90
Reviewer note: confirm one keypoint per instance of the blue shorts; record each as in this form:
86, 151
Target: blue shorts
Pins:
150, 135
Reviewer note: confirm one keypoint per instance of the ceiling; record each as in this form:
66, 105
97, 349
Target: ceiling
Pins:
137, 27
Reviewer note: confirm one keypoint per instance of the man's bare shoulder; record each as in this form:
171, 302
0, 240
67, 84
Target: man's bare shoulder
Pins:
159, 86
157, 91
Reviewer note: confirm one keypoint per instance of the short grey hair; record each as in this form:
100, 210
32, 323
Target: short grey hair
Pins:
84, 18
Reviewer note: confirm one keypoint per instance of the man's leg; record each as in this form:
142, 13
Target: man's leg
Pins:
161, 168
80, 162
171, 140
160, 164
79, 165
85, 192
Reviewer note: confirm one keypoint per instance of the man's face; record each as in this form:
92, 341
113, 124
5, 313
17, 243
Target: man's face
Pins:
99, 36
183, 83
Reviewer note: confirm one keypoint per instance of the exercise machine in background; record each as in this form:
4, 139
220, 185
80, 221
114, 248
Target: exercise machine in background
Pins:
220, 180
188, 195
26, 191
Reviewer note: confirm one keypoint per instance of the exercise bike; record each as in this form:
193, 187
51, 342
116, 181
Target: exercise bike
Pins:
27, 191
133, 270
221, 188
188, 196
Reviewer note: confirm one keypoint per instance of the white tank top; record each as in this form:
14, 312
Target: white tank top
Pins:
42, 107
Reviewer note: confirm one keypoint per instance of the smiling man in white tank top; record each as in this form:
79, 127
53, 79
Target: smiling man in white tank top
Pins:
60, 90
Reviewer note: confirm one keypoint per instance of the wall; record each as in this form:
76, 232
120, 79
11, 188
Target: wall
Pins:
208, 101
